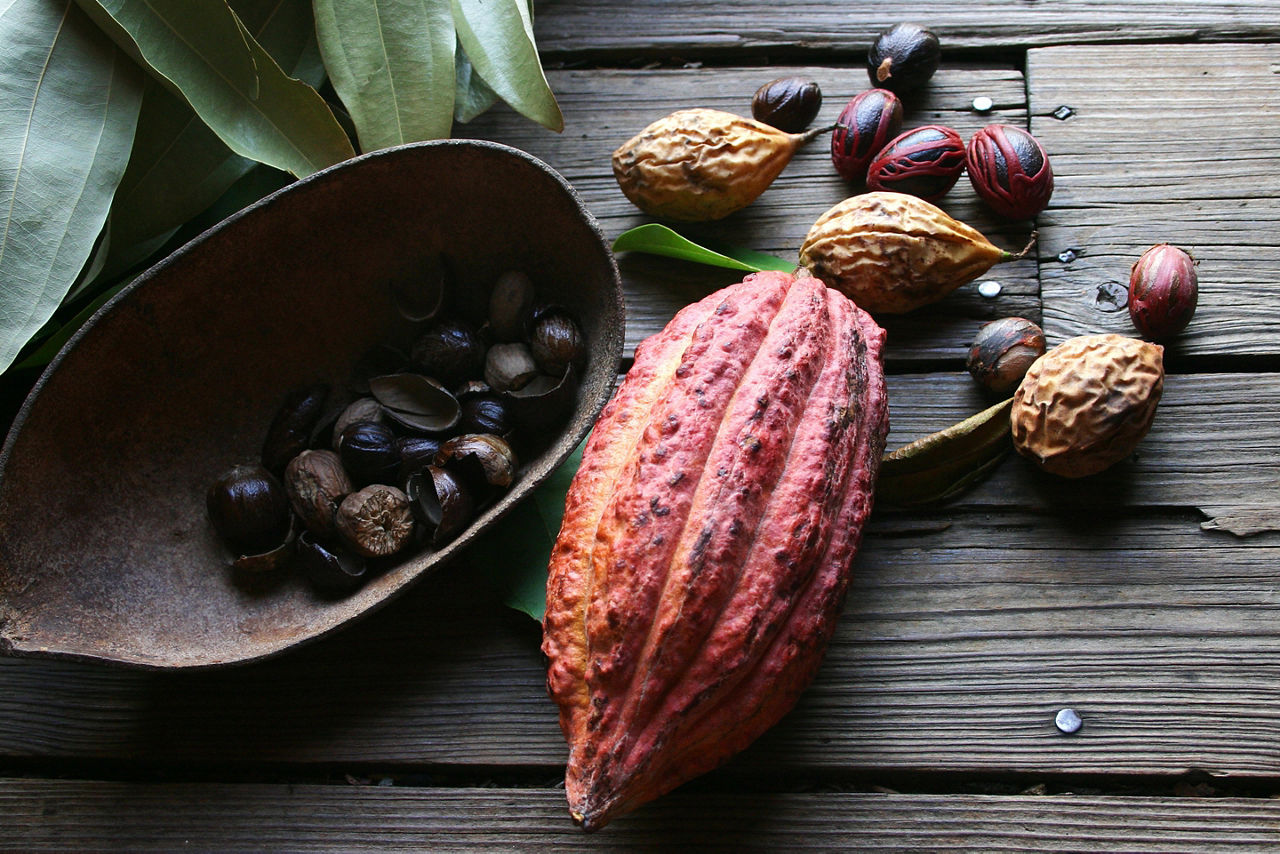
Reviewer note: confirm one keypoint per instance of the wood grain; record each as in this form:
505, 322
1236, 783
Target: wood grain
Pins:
694, 29
604, 108
40, 816
1167, 144
967, 628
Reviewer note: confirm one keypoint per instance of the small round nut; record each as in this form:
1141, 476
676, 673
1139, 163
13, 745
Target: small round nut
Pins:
1086, 404
376, 521
316, 483
1163, 290
1002, 351
787, 103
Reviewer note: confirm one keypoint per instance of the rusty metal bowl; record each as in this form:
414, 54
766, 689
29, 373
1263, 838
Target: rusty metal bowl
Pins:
105, 549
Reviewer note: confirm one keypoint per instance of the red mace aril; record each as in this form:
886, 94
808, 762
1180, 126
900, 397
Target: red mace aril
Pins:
865, 125
925, 162
1162, 291
1010, 171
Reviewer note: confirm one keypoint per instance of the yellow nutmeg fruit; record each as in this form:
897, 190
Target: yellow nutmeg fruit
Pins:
697, 165
1087, 403
892, 252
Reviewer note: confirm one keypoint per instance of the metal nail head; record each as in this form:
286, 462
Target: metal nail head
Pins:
1068, 721
983, 104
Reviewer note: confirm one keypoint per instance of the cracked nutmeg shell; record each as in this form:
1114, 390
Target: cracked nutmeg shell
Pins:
864, 127
377, 521
697, 165
1010, 170
787, 103
1087, 403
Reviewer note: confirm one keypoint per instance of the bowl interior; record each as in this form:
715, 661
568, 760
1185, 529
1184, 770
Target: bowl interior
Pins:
105, 549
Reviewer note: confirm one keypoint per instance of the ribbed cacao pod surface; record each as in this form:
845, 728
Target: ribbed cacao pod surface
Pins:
892, 252
925, 162
697, 165
865, 126
707, 537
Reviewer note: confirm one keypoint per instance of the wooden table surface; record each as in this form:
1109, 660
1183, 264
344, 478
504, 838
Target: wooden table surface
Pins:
931, 724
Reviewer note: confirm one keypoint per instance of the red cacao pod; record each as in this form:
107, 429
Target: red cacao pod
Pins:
925, 162
1010, 170
1163, 290
704, 552
865, 126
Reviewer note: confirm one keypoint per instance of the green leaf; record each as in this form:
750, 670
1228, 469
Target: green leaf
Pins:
71, 103
179, 166
520, 574
392, 64
231, 82
472, 96
497, 36
657, 239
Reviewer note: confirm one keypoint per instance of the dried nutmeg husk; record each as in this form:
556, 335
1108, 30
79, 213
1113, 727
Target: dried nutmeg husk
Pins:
442, 502
316, 483
787, 103
511, 306
1002, 352
1087, 403
697, 165
1163, 291
864, 127
376, 521
892, 252
1010, 170
924, 162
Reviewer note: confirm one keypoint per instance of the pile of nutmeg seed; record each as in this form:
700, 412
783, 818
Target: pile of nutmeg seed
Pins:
417, 445
1007, 166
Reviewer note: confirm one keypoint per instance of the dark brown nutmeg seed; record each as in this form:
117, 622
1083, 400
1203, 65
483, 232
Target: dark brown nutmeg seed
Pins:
924, 162
556, 343
1163, 291
376, 521
369, 452
485, 413
290, 429
787, 103
1002, 352
249, 509
903, 58
451, 351
1010, 170
865, 126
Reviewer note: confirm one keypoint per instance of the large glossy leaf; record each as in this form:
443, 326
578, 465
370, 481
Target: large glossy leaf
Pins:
392, 64
472, 96
178, 166
69, 105
497, 36
231, 82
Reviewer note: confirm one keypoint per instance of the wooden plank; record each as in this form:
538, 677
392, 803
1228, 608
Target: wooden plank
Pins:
41, 816
966, 630
696, 28
604, 108
1177, 144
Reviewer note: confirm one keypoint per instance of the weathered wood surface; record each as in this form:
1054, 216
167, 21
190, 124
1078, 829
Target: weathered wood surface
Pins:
967, 628
605, 108
1167, 144
228, 818
709, 28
